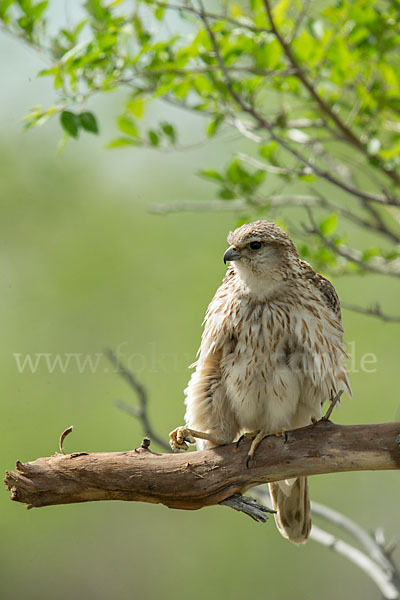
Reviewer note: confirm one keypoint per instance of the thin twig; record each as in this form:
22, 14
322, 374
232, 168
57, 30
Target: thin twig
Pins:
234, 205
63, 436
347, 253
140, 413
374, 311
41, 51
206, 69
374, 562
343, 128
334, 400
379, 224
206, 206
213, 16
303, 13
265, 124
355, 530
364, 562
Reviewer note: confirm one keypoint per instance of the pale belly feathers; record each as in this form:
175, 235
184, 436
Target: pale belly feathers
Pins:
263, 372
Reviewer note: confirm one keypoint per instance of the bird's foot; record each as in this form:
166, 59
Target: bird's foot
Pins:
249, 435
181, 437
283, 434
257, 437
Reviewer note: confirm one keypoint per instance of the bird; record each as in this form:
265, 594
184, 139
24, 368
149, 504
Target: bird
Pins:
271, 353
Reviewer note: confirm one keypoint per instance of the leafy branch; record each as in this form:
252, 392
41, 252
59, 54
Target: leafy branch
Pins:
312, 93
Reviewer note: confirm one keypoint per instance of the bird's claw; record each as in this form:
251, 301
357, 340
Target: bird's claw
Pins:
257, 437
240, 439
284, 434
180, 438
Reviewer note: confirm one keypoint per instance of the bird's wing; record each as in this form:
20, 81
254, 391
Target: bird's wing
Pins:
324, 353
207, 406
323, 284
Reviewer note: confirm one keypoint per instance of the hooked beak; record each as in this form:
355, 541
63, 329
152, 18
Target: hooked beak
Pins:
231, 254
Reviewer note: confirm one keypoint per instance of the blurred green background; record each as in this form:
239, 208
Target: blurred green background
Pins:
86, 266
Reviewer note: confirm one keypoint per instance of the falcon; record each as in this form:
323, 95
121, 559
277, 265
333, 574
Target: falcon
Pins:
271, 353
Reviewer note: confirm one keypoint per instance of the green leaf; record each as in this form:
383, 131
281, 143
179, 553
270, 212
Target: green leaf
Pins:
235, 172
37, 10
169, 131
329, 224
370, 253
153, 137
4, 6
268, 150
159, 13
136, 107
210, 174
88, 122
127, 126
25, 5
123, 141
268, 55
393, 254
62, 143
95, 8
310, 177
280, 10
226, 194
70, 123
214, 125
203, 85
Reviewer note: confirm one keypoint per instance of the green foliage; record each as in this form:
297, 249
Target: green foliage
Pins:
329, 225
315, 90
70, 122
88, 122
236, 181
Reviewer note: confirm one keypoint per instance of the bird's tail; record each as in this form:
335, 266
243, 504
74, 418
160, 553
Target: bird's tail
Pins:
291, 501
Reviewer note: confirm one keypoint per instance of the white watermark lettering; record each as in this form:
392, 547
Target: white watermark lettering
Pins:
155, 360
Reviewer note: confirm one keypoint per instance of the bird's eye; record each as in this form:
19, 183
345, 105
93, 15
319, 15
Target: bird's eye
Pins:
255, 245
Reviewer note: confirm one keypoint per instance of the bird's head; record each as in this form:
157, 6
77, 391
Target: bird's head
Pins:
263, 255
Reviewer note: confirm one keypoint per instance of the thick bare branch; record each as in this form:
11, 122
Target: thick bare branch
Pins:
203, 478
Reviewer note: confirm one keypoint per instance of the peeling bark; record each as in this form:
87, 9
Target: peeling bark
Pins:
203, 478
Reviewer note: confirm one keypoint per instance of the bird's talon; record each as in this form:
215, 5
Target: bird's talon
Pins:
240, 440
180, 438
